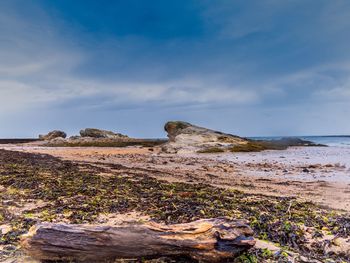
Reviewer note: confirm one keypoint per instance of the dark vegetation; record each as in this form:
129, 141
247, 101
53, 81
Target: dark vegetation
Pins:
108, 143
281, 144
212, 150
78, 193
260, 145
9, 141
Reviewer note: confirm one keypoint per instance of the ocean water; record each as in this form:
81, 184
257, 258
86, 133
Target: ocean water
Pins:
338, 141
333, 141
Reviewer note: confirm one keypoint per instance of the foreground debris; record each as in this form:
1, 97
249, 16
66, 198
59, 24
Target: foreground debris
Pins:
211, 240
40, 188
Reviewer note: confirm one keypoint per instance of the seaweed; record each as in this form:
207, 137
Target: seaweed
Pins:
107, 143
280, 144
211, 150
80, 192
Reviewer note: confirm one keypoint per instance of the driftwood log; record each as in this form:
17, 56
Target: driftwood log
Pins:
210, 240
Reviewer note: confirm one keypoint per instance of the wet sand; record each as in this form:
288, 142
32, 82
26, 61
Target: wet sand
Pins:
318, 174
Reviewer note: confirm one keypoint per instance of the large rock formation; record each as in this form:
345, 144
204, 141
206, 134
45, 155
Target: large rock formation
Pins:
97, 133
53, 135
185, 137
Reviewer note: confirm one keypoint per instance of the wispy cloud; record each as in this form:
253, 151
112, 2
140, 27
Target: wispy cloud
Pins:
261, 60
38, 70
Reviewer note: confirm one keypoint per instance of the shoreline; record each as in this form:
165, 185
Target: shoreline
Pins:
111, 186
308, 173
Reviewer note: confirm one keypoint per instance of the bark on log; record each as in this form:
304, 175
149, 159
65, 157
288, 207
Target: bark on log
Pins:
210, 240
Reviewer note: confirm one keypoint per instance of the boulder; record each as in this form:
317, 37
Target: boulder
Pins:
52, 135
74, 137
97, 133
56, 141
186, 137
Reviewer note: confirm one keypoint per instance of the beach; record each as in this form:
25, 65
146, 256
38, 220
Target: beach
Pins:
296, 200
174, 131
317, 174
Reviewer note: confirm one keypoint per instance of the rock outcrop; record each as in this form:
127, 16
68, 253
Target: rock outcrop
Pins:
97, 133
53, 135
101, 138
185, 137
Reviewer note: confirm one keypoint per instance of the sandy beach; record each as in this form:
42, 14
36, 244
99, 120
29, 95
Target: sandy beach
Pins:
317, 174
298, 193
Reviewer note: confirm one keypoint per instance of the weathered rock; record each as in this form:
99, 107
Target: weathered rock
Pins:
4, 229
52, 135
58, 140
287, 256
185, 137
293, 141
174, 128
97, 133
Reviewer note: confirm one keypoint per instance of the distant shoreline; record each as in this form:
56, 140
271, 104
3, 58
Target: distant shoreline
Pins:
329, 140
300, 136
17, 140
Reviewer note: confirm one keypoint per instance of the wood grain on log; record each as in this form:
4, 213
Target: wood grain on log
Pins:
210, 240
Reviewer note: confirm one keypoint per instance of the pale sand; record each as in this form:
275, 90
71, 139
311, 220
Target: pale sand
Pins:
318, 174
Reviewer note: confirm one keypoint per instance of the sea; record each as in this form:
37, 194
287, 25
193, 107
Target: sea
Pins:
330, 140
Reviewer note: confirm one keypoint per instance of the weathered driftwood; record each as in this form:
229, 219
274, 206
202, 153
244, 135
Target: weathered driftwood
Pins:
209, 240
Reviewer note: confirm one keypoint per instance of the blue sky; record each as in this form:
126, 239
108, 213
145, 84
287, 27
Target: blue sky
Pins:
264, 67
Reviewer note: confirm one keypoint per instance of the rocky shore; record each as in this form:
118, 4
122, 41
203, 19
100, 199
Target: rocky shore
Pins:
295, 200
92, 137
183, 137
44, 188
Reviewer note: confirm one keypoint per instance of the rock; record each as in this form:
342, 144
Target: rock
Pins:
52, 135
293, 141
58, 140
20, 259
4, 229
74, 137
97, 133
276, 251
174, 128
308, 260
185, 137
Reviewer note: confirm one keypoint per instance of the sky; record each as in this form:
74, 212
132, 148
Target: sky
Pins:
259, 67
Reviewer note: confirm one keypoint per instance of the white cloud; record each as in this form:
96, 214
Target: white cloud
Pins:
42, 66
37, 69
